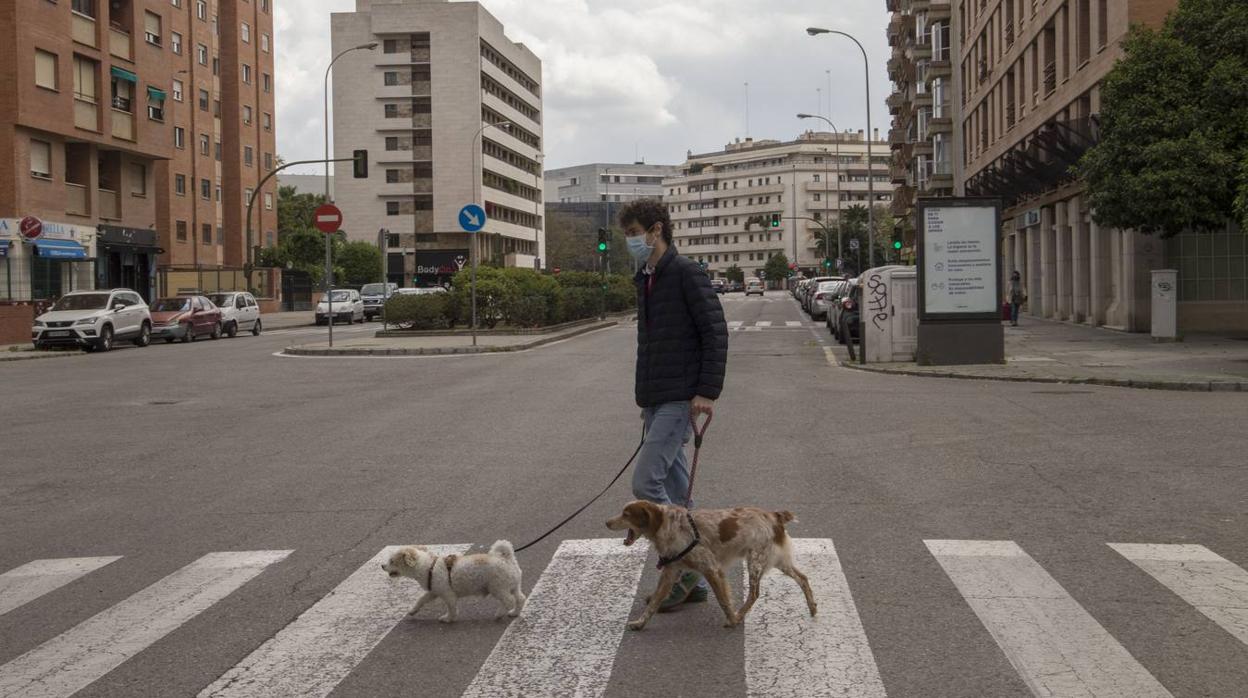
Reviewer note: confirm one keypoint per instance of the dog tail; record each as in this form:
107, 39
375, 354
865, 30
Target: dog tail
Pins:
784, 517
503, 549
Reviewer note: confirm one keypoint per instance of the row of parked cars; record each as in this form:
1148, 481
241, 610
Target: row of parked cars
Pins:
349, 305
97, 320
833, 299
749, 287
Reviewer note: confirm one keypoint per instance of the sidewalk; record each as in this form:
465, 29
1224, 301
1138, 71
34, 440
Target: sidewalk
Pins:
1055, 352
279, 321
434, 345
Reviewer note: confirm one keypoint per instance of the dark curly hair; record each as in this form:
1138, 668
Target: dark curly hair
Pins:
647, 212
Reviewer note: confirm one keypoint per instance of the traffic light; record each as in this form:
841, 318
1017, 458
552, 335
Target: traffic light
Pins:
359, 164
603, 238
827, 263
896, 244
775, 220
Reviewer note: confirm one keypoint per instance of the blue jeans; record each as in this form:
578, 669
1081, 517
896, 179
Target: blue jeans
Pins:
662, 471
1014, 312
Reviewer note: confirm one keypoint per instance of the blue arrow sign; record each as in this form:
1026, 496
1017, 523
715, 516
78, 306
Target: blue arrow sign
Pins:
471, 218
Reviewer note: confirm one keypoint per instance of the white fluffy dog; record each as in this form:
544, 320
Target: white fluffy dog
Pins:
495, 573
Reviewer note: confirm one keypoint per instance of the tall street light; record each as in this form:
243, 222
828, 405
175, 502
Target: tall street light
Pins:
475, 238
870, 165
329, 264
837, 142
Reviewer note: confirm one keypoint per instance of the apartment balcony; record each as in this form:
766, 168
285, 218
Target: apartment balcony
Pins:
941, 175
422, 120
894, 68
895, 102
939, 10
119, 44
123, 125
921, 52
899, 173
77, 200
943, 124
896, 137
939, 69
110, 205
86, 115
422, 88
82, 29
923, 147
420, 55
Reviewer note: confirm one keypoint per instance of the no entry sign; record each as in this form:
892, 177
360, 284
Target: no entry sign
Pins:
31, 227
327, 218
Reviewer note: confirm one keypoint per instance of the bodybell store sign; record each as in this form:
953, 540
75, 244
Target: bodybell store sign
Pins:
441, 262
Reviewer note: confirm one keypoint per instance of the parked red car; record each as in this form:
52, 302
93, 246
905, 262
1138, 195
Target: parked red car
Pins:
185, 318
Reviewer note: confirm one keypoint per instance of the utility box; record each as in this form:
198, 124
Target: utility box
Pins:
890, 314
1165, 301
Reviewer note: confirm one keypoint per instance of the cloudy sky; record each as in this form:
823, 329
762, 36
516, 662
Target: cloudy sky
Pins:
645, 78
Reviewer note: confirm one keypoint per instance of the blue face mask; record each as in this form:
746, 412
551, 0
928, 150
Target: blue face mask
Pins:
638, 248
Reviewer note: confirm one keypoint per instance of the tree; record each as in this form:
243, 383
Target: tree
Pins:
777, 267
572, 244
734, 273
854, 227
294, 210
1173, 149
357, 263
302, 250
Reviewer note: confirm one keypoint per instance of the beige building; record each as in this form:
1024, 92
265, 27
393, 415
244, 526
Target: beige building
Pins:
101, 119
426, 104
800, 184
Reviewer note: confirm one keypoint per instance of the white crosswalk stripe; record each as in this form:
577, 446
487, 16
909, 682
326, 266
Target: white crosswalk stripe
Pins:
318, 649
1056, 647
735, 324
564, 642
788, 653
24, 584
760, 325
84, 653
1212, 584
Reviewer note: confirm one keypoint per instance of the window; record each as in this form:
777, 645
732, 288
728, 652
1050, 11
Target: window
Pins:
203, 100
246, 114
40, 159
179, 188
181, 228
392, 208
179, 137
205, 189
176, 3
264, 6
267, 81
204, 144
392, 111
264, 42
217, 153
268, 201
390, 78
155, 104
123, 91
216, 108
816, 178
151, 28
246, 74
201, 9
201, 54
216, 65
175, 42
45, 69
177, 90
390, 46
247, 194
392, 143
84, 7
138, 179
205, 236
218, 192
245, 32
248, 155
84, 79
268, 161
268, 121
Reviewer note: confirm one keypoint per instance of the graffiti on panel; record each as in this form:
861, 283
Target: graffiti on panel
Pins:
877, 300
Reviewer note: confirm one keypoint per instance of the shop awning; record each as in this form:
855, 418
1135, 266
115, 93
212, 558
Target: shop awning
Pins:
124, 74
60, 249
4, 248
155, 95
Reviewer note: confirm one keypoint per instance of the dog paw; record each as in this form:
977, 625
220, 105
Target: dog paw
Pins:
636, 624
445, 619
514, 612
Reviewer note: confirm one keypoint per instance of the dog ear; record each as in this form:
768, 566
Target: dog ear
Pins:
647, 515
409, 557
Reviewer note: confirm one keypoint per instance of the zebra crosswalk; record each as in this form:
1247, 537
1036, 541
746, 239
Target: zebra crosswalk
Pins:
760, 325
566, 641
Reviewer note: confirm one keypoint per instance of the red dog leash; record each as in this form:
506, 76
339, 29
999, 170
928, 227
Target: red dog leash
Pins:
697, 446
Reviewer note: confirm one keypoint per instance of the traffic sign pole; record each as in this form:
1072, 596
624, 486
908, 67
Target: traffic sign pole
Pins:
472, 219
328, 219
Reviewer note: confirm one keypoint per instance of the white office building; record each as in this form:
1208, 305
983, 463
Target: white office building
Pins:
450, 111
605, 181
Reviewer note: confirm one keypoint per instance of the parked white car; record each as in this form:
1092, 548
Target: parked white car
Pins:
239, 311
754, 286
94, 320
348, 307
422, 291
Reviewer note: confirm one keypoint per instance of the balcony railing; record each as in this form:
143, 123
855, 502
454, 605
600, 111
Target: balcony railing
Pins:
77, 200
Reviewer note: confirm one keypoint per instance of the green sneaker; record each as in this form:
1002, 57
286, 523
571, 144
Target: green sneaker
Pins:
685, 590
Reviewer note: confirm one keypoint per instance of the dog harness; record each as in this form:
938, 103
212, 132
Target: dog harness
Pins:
449, 561
697, 538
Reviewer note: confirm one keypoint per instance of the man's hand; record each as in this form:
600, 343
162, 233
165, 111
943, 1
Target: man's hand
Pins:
701, 406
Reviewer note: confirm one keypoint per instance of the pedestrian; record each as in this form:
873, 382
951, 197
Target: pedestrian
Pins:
1017, 297
682, 351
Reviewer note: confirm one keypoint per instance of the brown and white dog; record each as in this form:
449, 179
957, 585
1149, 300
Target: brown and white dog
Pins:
722, 536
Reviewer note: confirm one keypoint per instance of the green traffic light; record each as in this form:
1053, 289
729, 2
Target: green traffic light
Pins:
897, 245
602, 247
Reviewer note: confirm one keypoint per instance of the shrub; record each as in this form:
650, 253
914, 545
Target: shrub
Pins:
424, 312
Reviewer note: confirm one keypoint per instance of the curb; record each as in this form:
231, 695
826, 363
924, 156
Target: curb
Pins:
35, 356
1213, 386
445, 351
510, 332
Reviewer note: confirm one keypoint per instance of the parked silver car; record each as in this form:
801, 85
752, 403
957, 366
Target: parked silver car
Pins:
821, 300
347, 307
93, 320
239, 311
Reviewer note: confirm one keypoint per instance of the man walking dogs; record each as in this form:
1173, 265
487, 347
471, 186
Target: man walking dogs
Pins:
682, 351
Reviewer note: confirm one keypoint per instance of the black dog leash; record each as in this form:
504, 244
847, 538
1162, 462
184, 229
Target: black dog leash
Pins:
586, 505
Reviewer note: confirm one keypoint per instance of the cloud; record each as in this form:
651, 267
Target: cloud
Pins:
647, 77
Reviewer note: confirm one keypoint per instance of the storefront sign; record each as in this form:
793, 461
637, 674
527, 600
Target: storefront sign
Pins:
958, 263
441, 262
134, 237
31, 227
11, 228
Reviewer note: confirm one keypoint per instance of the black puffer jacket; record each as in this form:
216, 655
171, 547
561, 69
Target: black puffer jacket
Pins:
682, 339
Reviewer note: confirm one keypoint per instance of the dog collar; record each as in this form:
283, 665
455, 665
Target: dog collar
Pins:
449, 560
429, 580
697, 538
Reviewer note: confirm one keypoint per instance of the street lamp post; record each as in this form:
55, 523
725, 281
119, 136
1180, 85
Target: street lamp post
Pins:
329, 242
837, 144
870, 165
475, 238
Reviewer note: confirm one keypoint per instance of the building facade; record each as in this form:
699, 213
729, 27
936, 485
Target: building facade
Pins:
450, 111
611, 182
805, 184
101, 126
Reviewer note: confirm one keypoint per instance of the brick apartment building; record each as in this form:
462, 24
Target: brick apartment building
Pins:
134, 129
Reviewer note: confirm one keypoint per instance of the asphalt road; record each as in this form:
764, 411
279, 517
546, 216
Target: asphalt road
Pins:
245, 497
